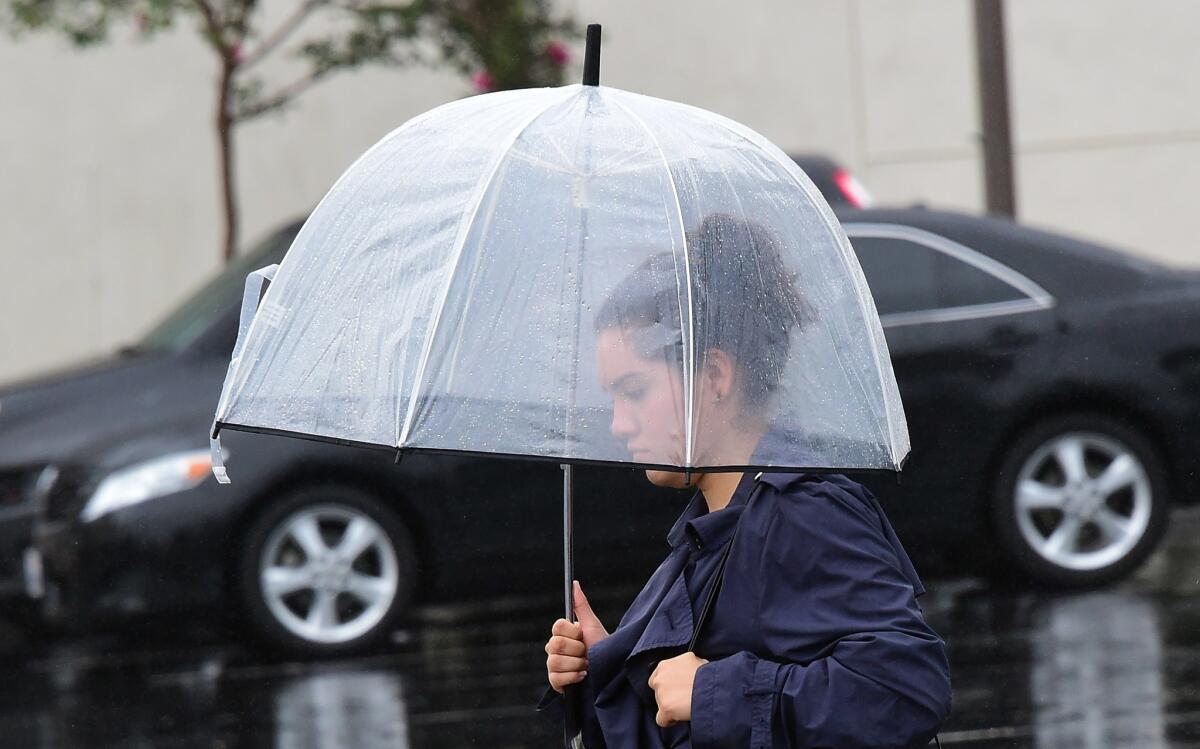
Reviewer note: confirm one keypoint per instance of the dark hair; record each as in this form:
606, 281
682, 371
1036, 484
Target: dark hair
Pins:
745, 302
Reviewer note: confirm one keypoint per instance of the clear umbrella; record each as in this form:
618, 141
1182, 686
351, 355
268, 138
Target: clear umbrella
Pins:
446, 294
461, 285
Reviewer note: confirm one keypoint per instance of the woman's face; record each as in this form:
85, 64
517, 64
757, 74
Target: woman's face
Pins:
647, 397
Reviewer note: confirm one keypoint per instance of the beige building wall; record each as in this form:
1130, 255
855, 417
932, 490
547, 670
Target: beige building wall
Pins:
108, 183
1106, 116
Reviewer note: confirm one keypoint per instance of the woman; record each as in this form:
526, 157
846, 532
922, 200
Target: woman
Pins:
815, 638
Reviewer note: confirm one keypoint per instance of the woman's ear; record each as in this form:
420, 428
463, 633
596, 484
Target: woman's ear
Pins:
719, 374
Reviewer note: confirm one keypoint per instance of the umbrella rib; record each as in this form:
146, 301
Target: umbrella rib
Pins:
459, 243
689, 342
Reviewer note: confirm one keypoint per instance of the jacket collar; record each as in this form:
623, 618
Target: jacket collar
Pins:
707, 530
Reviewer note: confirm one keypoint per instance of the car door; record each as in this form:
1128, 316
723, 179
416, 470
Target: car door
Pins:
967, 336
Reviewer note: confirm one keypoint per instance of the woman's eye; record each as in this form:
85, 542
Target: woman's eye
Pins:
634, 394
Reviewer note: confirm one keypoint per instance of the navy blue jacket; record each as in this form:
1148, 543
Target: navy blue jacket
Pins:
815, 639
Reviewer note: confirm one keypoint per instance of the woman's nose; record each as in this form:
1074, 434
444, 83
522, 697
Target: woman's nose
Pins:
623, 425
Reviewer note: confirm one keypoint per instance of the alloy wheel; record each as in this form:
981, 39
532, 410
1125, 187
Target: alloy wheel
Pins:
1083, 501
329, 573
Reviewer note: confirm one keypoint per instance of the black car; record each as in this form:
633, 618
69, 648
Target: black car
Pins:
1051, 386
1052, 389
113, 459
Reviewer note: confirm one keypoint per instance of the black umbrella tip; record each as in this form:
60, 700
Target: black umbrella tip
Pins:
591, 56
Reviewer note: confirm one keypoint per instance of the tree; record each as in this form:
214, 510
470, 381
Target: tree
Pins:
500, 43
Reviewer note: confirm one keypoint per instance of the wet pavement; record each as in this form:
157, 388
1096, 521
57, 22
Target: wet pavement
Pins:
1117, 667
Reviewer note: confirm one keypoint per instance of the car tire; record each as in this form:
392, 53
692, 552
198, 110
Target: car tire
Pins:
1079, 500
325, 571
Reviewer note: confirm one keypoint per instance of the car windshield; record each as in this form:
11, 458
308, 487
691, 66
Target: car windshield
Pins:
194, 316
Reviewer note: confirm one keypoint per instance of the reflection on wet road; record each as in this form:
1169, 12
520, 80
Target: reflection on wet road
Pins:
1118, 667
1115, 667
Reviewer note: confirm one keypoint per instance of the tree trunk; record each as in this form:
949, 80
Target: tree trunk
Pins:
225, 141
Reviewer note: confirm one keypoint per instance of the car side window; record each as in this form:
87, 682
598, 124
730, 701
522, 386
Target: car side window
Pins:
900, 274
907, 276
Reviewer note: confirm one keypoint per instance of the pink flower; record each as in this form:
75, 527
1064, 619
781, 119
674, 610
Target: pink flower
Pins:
482, 81
236, 52
558, 53
139, 21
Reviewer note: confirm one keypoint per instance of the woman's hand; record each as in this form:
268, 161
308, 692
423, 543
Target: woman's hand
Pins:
672, 684
567, 648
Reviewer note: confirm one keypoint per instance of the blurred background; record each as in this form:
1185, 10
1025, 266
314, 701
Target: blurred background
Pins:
1015, 176
111, 169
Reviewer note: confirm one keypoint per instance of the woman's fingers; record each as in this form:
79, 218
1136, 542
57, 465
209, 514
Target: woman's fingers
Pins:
559, 681
562, 664
564, 628
566, 655
565, 646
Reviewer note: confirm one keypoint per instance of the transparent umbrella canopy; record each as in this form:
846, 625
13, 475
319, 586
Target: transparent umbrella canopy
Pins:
453, 292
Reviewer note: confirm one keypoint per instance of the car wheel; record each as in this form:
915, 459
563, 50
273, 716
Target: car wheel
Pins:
1080, 500
326, 571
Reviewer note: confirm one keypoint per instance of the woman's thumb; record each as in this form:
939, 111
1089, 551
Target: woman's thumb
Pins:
583, 610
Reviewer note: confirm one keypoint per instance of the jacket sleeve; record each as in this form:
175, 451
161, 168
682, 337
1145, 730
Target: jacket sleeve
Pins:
853, 662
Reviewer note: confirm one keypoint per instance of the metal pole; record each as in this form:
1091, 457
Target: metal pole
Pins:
993, 108
568, 543
570, 694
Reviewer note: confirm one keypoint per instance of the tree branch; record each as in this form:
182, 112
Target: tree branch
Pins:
281, 33
212, 22
279, 98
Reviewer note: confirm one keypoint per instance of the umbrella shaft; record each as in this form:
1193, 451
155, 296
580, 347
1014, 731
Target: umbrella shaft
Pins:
568, 552
572, 739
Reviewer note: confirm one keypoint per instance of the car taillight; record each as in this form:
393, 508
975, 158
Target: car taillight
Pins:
852, 189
